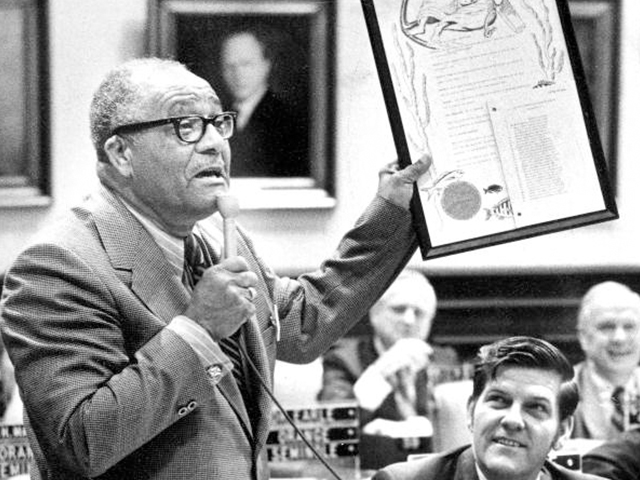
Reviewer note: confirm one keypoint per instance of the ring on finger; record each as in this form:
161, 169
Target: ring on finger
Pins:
252, 293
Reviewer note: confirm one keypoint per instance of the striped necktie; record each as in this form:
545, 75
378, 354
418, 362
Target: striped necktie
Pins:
618, 400
195, 263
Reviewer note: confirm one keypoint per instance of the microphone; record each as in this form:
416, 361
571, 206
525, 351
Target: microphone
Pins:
229, 208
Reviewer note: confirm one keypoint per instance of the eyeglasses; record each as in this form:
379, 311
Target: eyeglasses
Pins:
189, 129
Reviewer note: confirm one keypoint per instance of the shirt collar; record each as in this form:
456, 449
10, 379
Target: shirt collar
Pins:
173, 247
481, 475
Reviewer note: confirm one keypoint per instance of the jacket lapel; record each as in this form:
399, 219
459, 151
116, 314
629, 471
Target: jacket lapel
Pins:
137, 258
213, 239
140, 263
229, 390
258, 355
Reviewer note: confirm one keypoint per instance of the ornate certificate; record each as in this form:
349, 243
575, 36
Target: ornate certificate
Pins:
494, 90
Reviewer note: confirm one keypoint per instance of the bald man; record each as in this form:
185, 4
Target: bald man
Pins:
609, 378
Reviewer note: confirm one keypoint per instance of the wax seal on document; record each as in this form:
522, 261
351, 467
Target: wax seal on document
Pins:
461, 200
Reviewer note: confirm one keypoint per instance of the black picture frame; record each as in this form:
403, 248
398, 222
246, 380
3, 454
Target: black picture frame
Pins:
409, 106
24, 101
596, 25
301, 38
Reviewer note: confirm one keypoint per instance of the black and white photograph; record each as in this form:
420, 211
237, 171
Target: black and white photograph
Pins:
319, 240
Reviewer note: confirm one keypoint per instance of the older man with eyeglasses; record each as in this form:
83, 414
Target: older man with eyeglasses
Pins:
138, 346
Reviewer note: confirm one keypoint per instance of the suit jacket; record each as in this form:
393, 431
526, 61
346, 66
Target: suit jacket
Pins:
459, 464
616, 459
273, 143
593, 415
110, 393
346, 361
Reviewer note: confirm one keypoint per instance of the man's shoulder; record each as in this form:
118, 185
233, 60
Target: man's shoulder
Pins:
435, 466
67, 228
75, 229
559, 472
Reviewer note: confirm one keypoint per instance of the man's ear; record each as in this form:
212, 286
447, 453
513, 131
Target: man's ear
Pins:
582, 338
471, 405
119, 154
564, 432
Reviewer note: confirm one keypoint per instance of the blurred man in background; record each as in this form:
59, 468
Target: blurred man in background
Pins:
387, 371
609, 378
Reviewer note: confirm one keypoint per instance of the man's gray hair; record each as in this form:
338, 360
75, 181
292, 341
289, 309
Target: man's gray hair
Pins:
118, 97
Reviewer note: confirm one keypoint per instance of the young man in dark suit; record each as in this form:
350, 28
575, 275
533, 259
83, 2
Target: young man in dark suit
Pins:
521, 407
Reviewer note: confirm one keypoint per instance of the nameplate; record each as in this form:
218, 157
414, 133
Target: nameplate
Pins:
15, 453
333, 430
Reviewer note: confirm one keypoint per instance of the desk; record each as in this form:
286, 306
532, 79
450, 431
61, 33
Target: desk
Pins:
333, 430
314, 470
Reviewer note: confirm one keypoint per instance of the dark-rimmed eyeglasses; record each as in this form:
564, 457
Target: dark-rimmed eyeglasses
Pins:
189, 129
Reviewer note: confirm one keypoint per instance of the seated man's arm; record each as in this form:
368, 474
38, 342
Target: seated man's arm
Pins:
616, 459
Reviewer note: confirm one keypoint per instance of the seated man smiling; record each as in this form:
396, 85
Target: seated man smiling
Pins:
521, 407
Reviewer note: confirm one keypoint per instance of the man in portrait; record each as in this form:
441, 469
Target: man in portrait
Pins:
271, 138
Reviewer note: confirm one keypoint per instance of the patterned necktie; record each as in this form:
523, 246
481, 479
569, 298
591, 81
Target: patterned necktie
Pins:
195, 263
617, 398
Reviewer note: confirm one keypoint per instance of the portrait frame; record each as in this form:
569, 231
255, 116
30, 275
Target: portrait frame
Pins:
596, 24
302, 74
495, 91
24, 98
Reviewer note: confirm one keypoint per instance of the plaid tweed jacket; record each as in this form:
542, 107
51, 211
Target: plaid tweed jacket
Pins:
111, 394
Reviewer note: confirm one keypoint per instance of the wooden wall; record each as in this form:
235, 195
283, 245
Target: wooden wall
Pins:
475, 309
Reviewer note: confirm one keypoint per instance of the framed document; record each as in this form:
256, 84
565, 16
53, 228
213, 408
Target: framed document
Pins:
494, 90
